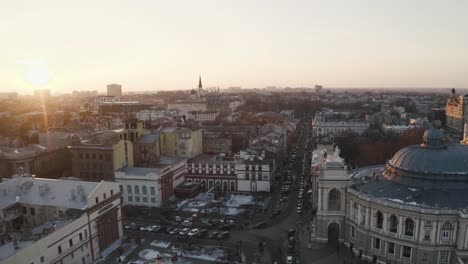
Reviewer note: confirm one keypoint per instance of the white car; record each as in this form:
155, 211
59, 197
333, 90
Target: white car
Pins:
289, 260
194, 232
186, 223
184, 231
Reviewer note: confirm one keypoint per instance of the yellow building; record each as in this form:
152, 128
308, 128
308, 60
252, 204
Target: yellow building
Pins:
456, 111
181, 142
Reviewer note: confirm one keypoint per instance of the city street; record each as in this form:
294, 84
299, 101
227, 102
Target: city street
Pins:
248, 243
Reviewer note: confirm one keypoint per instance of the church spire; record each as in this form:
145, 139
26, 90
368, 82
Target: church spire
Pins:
200, 86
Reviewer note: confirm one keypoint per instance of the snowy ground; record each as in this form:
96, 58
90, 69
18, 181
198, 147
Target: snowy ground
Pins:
203, 254
229, 205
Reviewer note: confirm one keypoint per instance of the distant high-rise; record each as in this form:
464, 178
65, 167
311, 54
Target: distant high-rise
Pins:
456, 111
114, 90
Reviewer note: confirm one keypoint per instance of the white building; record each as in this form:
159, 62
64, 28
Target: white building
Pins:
203, 116
185, 107
322, 126
92, 104
58, 221
150, 115
243, 172
398, 129
151, 186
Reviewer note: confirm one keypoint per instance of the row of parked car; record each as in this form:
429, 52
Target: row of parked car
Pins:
179, 231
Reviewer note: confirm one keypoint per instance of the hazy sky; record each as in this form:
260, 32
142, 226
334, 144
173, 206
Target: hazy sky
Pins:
157, 45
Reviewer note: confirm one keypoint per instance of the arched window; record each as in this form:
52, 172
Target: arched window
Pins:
225, 186
379, 220
334, 200
409, 227
152, 190
446, 231
210, 184
233, 187
129, 189
393, 224
143, 190
137, 189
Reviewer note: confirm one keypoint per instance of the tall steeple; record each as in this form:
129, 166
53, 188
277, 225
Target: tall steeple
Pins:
200, 86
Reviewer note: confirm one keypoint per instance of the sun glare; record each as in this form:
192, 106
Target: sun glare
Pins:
38, 75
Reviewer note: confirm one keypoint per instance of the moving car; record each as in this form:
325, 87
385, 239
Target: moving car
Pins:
174, 231
223, 235
184, 231
260, 225
213, 235
193, 232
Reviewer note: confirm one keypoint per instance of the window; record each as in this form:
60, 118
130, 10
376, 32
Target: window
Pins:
85, 233
112, 192
42, 259
93, 156
32, 211
129, 189
100, 157
391, 248
355, 210
143, 190
376, 243
145, 199
80, 236
427, 235
406, 252
393, 224
363, 216
353, 231
59, 248
130, 198
379, 220
153, 200
137, 199
104, 196
97, 199
83, 260
70, 242
409, 227
443, 257
25, 211
334, 200
136, 189
446, 231
152, 190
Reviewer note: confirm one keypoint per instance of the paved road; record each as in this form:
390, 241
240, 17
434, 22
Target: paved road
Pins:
274, 235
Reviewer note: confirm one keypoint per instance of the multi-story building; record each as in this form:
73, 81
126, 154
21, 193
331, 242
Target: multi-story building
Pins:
186, 107
213, 143
322, 126
50, 158
414, 211
114, 90
8, 96
456, 111
100, 156
142, 186
243, 172
181, 142
92, 104
58, 221
150, 115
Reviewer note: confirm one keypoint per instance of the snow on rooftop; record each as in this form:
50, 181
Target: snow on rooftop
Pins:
41, 191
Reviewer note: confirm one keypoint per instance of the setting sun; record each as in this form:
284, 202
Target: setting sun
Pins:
38, 75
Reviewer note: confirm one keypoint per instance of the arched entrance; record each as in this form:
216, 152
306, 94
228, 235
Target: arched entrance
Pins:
333, 233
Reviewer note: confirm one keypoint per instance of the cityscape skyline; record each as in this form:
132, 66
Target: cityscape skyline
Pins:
153, 45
